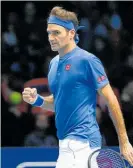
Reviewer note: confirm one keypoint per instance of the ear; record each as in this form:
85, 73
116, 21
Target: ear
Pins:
72, 33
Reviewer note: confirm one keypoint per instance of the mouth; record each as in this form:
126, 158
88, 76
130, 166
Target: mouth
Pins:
53, 44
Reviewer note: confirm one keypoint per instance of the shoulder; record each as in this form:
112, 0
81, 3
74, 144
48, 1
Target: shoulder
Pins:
51, 138
30, 137
87, 56
55, 59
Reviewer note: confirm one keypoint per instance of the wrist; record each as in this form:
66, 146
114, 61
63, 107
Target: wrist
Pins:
38, 101
123, 140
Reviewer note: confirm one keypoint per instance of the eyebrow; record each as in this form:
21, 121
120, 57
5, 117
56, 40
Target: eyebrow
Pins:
53, 30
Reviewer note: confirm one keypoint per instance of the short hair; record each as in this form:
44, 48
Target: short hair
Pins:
64, 14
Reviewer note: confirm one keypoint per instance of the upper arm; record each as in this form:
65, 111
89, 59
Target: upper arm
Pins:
107, 93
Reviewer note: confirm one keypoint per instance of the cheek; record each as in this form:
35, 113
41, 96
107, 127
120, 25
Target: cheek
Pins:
64, 39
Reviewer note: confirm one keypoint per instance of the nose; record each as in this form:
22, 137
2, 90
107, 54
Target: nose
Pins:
50, 37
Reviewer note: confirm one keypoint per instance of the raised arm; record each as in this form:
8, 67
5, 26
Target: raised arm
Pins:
30, 96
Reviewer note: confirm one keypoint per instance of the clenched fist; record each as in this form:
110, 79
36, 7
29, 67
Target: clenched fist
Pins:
29, 95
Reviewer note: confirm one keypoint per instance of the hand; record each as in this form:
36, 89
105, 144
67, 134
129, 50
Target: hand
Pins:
29, 95
127, 151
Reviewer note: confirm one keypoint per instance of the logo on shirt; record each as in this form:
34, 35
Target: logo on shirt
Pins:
101, 78
67, 67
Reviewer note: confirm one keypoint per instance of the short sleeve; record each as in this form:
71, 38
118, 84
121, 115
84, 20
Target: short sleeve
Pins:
96, 72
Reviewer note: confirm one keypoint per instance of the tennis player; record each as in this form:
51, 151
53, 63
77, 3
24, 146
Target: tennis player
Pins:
75, 76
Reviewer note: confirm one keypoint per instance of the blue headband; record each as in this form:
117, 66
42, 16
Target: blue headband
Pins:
68, 24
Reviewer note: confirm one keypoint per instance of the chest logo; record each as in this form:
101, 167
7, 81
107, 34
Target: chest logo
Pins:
67, 67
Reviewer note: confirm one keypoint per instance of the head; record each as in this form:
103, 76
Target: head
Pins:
42, 121
60, 37
30, 9
12, 18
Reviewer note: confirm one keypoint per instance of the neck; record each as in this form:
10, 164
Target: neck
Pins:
68, 48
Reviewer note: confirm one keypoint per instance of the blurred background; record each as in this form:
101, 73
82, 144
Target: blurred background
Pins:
25, 56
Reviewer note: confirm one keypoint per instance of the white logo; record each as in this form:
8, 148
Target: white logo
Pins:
36, 164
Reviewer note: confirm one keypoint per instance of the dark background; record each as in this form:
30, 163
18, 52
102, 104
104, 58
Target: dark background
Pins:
25, 55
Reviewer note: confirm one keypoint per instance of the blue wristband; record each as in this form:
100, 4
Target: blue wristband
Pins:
39, 101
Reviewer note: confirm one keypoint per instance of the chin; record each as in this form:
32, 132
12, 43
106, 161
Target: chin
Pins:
54, 49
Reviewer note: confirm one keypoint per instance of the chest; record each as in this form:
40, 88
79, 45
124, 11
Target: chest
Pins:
65, 74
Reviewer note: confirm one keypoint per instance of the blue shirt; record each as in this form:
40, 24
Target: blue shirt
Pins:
74, 80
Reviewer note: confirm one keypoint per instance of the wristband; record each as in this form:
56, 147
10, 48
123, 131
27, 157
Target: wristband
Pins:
39, 101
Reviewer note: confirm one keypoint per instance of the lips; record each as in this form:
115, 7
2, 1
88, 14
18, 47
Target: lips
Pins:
53, 44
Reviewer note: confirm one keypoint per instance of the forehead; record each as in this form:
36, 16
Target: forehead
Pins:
53, 27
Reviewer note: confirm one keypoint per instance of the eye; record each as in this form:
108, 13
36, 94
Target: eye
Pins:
56, 32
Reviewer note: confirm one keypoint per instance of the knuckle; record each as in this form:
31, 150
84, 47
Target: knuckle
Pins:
27, 88
34, 90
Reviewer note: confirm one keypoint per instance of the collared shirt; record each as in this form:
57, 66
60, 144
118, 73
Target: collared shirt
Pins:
74, 80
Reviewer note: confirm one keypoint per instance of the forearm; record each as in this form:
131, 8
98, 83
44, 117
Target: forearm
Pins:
48, 103
118, 120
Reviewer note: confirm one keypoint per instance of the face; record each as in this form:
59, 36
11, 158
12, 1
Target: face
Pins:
42, 121
59, 37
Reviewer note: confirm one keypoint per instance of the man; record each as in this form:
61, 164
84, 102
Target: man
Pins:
75, 76
39, 136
